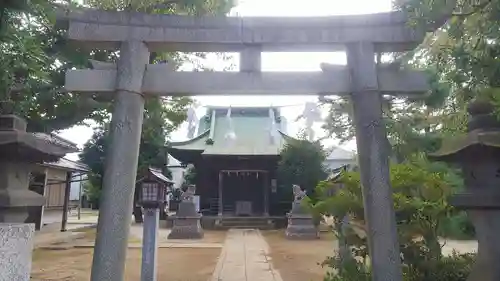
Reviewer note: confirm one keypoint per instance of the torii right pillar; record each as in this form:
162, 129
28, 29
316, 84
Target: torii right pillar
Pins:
371, 139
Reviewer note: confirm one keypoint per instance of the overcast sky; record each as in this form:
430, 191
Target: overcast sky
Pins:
293, 105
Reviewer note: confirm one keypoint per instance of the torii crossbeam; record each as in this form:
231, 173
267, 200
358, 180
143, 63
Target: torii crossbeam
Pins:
159, 79
105, 29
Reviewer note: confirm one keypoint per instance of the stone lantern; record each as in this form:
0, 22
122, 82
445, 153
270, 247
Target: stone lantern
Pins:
19, 150
478, 154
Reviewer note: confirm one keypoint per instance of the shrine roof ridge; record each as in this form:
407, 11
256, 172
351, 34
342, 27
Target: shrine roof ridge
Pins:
239, 106
243, 108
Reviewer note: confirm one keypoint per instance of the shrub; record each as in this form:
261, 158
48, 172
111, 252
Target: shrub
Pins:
420, 203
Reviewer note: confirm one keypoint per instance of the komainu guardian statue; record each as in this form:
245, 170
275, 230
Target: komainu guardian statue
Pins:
300, 222
187, 224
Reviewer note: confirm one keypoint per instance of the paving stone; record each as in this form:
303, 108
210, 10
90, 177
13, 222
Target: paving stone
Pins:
244, 258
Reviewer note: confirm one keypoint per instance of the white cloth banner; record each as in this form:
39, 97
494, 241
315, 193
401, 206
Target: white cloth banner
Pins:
273, 130
230, 134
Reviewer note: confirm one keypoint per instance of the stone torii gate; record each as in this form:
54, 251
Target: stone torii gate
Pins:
132, 79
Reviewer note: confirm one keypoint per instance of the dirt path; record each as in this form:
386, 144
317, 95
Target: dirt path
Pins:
180, 260
174, 264
298, 260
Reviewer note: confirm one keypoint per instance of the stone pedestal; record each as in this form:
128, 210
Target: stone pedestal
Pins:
300, 224
187, 222
483, 208
16, 246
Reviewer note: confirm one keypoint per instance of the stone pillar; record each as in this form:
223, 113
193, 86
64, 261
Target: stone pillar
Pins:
483, 208
250, 59
266, 193
150, 244
371, 139
42, 208
120, 171
221, 206
16, 247
67, 191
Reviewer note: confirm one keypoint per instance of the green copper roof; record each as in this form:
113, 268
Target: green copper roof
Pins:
252, 128
197, 143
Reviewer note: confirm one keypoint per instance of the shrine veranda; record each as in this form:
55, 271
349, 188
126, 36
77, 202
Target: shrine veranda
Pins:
132, 79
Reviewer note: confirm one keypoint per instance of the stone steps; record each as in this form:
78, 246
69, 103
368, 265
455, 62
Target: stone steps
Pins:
242, 223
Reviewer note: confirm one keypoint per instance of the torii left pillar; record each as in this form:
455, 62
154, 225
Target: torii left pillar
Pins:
115, 212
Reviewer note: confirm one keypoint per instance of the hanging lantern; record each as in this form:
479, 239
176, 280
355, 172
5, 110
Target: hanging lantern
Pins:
153, 189
152, 194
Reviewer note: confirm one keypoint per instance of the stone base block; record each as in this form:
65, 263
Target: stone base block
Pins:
186, 228
301, 229
16, 247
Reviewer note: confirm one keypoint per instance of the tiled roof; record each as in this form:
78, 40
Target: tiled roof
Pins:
157, 173
56, 140
66, 164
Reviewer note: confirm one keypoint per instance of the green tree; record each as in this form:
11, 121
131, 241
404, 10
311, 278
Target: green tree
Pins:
190, 176
159, 120
36, 52
413, 125
461, 57
301, 163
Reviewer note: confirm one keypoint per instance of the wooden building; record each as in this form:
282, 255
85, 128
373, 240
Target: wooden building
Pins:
50, 180
235, 156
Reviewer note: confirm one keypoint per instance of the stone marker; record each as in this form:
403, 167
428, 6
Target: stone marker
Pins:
16, 247
187, 223
300, 222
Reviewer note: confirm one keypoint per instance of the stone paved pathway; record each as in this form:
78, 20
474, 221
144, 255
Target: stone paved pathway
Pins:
245, 258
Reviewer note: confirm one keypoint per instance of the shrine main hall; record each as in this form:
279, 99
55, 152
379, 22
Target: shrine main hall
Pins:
235, 155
